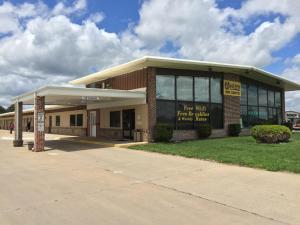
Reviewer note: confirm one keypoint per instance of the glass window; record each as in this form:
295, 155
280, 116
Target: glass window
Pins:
263, 113
72, 120
244, 94
79, 120
277, 99
202, 113
165, 87
76, 120
57, 121
252, 95
216, 116
185, 88
252, 114
244, 117
271, 98
201, 89
263, 97
115, 119
216, 93
185, 115
165, 112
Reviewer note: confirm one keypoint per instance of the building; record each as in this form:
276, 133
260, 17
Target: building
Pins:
293, 117
129, 99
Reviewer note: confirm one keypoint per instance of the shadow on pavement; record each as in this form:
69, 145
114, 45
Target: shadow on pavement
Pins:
69, 146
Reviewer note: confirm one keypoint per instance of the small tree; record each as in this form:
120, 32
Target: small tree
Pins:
11, 108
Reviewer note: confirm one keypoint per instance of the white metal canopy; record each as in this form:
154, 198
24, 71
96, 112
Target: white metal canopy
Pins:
74, 96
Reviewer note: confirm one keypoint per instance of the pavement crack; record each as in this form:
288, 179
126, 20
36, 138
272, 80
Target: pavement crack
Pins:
219, 203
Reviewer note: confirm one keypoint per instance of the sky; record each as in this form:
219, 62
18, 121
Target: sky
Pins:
52, 42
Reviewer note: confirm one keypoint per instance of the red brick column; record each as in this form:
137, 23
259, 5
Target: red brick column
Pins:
39, 131
18, 141
232, 104
151, 101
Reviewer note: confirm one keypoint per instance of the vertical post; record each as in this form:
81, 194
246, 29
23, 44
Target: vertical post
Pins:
18, 141
151, 101
39, 123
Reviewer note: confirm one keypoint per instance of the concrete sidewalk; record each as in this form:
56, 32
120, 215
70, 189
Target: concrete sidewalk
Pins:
82, 184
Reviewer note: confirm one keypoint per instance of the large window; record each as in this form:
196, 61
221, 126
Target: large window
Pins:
76, 120
216, 92
197, 100
184, 88
260, 104
115, 119
202, 89
165, 87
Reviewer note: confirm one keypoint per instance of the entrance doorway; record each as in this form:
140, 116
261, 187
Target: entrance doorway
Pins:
128, 118
92, 124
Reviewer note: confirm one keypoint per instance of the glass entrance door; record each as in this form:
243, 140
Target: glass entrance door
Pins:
128, 123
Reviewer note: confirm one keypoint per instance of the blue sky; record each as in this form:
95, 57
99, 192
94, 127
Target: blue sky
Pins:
56, 41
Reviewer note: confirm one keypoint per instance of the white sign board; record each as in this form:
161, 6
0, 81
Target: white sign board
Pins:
41, 122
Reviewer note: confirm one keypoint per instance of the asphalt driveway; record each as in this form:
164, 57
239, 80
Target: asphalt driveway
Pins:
83, 184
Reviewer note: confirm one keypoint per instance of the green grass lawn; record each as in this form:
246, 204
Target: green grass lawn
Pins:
242, 151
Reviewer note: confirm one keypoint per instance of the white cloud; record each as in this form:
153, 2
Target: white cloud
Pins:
43, 45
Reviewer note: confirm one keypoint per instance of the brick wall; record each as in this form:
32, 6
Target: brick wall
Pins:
39, 136
151, 101
231, 105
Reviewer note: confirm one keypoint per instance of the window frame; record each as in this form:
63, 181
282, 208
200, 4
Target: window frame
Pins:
57, 121
210, 75
110, 119
76, 124
268, 88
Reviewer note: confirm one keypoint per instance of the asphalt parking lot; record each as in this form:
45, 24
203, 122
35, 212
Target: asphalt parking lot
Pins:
85, 184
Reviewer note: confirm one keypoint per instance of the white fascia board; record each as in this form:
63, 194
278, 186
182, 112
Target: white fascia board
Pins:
120, 103
79, 92
162, 62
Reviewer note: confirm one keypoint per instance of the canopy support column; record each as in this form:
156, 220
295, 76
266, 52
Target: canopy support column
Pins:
39, 123
18, 141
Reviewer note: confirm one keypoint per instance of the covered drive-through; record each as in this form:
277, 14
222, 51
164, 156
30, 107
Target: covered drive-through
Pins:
65, 96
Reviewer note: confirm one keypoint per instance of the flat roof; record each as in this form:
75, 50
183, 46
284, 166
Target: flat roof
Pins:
75, 96
172, 63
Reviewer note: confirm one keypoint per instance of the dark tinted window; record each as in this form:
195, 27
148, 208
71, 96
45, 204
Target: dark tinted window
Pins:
72, 120
216, 116
184, 115
79, 121
115, 119
57, 121
165, 112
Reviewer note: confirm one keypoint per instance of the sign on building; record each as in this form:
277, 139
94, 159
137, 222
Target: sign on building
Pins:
232, 88
41, 122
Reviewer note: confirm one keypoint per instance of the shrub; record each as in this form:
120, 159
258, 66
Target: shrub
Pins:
234, 130
163, 132
271, 133
204, 131
288, 124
